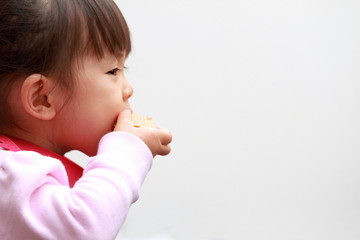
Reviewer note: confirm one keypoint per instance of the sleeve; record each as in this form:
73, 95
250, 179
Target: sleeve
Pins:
35, 202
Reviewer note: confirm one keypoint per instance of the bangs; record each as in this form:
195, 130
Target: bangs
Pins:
89, 27
106, 30
76, 28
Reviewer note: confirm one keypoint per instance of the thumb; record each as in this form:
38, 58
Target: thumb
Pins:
123, 121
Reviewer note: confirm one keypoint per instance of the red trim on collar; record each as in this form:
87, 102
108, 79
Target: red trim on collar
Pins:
73, 170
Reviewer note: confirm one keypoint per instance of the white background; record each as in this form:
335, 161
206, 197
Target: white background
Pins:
262, 98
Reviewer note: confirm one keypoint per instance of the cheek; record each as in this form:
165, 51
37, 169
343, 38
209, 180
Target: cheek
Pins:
98, 105
105, 112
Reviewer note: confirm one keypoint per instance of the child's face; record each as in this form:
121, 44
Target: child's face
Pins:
101, 93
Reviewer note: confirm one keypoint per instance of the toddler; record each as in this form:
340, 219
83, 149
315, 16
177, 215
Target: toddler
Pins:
62, 88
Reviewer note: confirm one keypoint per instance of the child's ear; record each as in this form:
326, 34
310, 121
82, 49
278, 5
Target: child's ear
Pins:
37, 97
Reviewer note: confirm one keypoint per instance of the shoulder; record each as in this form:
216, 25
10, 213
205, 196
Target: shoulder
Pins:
27, 167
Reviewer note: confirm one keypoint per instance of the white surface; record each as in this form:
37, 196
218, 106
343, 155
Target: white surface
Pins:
263, 101
156, 237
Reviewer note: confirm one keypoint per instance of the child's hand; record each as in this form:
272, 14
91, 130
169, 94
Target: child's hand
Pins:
157, 139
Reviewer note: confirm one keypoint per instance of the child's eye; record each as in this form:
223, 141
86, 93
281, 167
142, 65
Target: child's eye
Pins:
114, 71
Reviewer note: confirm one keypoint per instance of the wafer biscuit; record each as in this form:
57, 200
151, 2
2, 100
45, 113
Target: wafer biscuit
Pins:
140, 121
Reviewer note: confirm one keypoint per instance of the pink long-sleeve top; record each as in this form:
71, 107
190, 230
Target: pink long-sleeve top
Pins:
38, 202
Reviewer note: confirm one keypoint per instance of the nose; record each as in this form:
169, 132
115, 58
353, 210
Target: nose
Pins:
127, 90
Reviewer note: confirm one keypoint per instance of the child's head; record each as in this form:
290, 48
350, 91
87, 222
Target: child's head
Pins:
50, 37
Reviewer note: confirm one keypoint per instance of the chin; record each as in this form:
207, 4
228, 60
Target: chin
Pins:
90, 143
90, 152
90, 148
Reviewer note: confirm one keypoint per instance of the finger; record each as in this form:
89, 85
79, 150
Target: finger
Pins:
165, 136
164, 150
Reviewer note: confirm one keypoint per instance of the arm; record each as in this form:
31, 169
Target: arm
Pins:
35, 204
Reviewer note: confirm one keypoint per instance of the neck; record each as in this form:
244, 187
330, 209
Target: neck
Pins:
39, 138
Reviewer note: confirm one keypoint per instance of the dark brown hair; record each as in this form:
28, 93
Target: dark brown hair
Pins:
49, 36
